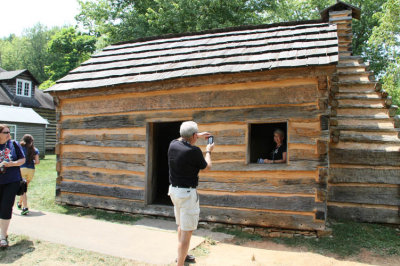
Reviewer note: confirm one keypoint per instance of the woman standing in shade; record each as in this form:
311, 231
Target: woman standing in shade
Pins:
28, 168
11, 158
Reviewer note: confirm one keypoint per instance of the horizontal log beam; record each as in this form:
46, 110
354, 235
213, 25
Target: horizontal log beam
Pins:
104, 178
115, 204
364, 175
107, 140
363, 214
253, 114
300, 165
365, 157
109, 191
209, 214
202, 99
115, 165
364, 194
260, 202
260, 218
109, 158
261, 185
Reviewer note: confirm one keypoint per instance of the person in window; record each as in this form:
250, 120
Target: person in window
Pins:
11, 158
279, 152
28, 168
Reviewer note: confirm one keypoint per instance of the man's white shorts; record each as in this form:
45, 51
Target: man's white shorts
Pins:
186, 207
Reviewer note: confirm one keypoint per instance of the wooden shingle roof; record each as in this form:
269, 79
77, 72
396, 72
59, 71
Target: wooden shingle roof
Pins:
231, 51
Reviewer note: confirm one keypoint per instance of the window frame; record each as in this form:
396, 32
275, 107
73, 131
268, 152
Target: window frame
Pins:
24, 82
13, 131
249, 140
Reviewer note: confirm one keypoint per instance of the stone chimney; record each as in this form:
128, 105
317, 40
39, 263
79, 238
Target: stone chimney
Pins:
342, 15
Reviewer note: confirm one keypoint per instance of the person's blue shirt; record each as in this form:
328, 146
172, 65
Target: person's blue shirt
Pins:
10, 152
30, 164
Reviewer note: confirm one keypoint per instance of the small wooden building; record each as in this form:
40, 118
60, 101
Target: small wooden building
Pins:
20, 88
23, 121
119, 110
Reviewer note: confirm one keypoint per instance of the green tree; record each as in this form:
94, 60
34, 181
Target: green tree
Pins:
28, 51
68, 49
384, 43
123, 20
11, 51
36, 55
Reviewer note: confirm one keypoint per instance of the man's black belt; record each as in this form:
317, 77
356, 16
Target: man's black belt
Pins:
183, 187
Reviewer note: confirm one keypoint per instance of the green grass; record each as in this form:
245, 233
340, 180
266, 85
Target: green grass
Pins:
41, 196
349, 238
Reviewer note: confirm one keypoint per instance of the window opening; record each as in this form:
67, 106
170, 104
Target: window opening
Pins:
261, 142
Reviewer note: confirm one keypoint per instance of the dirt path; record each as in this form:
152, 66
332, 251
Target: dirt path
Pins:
270, 253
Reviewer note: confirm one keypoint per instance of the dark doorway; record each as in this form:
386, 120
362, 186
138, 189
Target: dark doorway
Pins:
163, 134
262, 139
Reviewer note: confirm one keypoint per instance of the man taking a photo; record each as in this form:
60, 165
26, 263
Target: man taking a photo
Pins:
185, 161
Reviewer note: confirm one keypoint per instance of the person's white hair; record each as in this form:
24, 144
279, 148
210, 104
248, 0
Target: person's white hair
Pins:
188, 128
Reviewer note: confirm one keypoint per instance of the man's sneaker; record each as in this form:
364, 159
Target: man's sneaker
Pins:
189, 259
3, 242
19, 206
25, 211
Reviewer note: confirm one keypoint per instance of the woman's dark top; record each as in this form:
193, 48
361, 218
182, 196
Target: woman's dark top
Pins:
277, 153
31, 164
10, 152
184, 161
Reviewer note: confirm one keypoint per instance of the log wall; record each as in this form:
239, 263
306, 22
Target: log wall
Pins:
102, 146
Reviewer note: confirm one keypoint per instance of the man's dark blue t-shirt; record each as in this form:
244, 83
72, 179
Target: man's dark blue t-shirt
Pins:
185, 161
10, 152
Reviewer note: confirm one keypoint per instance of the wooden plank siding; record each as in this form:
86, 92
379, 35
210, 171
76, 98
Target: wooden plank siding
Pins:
50, 115
103, 140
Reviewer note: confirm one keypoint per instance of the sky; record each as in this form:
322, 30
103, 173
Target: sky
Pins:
17, 15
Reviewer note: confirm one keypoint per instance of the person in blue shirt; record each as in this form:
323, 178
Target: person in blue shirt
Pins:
28, 168
11, 158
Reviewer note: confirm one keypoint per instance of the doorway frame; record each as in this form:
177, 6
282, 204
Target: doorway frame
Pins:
150, 131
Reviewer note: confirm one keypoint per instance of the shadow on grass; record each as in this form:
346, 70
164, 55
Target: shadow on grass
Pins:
18, 248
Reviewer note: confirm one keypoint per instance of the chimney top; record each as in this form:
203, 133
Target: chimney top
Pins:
339, 6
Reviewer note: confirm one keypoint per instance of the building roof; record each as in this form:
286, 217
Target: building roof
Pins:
7, 75
5, 97
40, 99
233, 50
12, 114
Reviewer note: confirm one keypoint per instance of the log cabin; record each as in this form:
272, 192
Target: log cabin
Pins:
119, 110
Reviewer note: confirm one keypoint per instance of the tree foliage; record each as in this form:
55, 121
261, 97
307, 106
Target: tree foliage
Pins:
68, 49
28, 51
123, 20
384, 42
